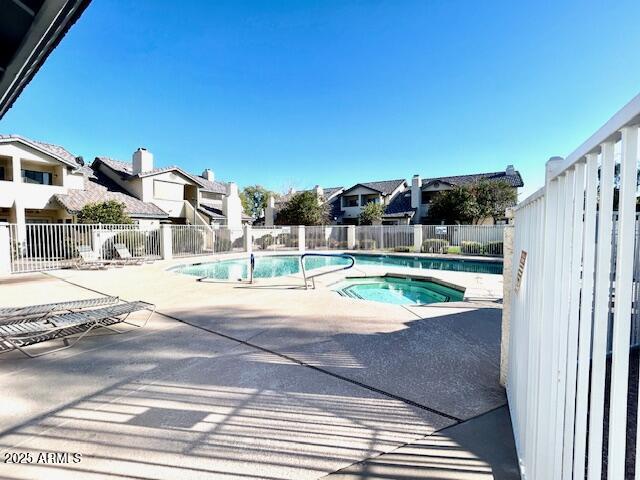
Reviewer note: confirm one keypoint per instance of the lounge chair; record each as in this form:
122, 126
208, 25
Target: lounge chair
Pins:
125, 255
89, 259
34, 312
18, 335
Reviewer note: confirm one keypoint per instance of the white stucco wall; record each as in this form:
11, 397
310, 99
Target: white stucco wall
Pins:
232, 207
29, 195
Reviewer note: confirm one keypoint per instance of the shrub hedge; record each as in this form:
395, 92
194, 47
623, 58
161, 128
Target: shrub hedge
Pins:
474, 248
435, 245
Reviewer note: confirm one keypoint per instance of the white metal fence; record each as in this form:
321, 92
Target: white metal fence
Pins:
467, 239
568, 397
330, 237
385, 237
274, 238
191, 240
39, 247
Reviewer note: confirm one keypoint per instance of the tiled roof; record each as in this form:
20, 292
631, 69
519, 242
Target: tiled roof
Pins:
212, 211
385, 187
216, 213
99, 188
55, 151
329, 191
123, 168
400, 205
335, 211
209, 186
514, 180
126, 170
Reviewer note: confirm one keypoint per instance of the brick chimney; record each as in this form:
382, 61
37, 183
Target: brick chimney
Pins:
510, 170
142, 161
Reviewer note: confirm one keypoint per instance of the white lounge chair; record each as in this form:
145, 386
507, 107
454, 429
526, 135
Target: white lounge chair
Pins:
89, 259
125, 255
18, 335
34, 312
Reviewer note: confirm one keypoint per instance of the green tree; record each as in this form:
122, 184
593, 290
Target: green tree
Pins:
472, 203
303, 208
110, 211
371, 213
451, 206
492, 198
254, 200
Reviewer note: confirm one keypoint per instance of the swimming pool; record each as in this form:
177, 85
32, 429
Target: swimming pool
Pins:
433, 263
282, 265
397, 290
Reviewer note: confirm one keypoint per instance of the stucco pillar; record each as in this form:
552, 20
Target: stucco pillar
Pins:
232, 207
166, 242
351, 237
507, 291
5, 250
301, 238
15, 170
269, 212
21, 222
417, 237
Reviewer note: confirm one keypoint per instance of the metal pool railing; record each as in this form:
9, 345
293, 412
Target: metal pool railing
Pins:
324, 272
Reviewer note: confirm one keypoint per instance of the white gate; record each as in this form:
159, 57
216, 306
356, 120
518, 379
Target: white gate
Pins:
571, 284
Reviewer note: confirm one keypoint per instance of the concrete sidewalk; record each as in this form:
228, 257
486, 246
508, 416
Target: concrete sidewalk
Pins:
249, 382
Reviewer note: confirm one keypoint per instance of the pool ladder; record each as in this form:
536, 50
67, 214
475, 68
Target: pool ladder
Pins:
332, 255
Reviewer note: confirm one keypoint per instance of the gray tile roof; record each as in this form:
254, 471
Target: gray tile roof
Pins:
216, 213
400, 205
99, 188
209, 186
212, 211
329, 191
514, 180
125, 169
55, 151
385, 187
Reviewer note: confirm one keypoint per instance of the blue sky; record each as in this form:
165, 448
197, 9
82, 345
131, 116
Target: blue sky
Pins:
298, 93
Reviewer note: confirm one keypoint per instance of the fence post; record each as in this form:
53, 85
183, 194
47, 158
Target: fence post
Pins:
351, 237
417, 237
248, 244
301, 239
5, 250
507, 290
166, 244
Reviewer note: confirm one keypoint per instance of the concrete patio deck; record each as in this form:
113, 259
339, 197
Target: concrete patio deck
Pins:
266, 381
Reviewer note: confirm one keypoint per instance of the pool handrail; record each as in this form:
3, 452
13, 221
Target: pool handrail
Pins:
324, 272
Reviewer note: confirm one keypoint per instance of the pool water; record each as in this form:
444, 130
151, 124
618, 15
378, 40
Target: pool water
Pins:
398, 291
266, 267
451, 264
282, 265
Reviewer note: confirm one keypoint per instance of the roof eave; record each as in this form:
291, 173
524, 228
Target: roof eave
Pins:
48, 29
35, 146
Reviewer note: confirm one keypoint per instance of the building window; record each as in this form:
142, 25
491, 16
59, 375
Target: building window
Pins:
370, 199
2, 177
40, 178
351, 201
